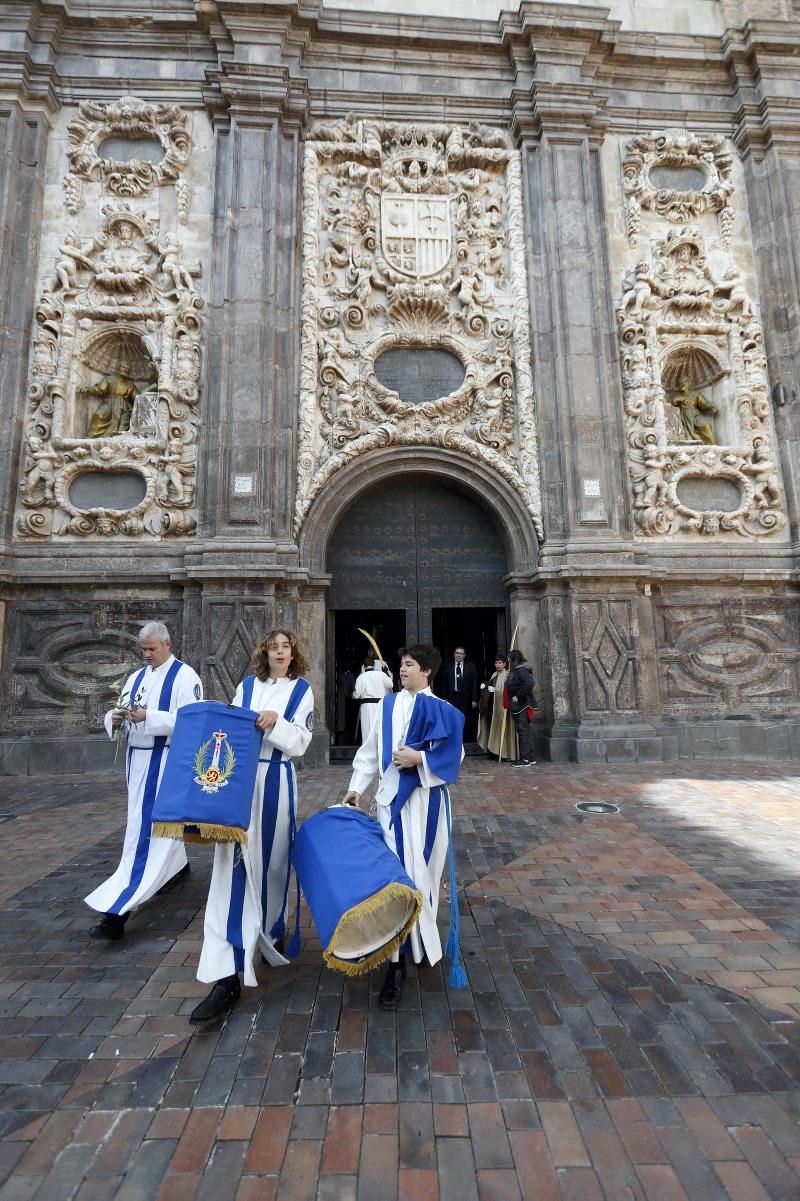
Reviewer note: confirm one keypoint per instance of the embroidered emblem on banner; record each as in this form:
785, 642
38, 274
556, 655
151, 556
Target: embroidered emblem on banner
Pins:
310, 722
215, 775
415, 233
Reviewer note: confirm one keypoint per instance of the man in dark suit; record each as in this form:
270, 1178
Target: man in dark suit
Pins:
460, 688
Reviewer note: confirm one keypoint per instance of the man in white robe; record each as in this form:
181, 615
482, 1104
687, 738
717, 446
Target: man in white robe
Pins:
419, 831
371, 687
149, 702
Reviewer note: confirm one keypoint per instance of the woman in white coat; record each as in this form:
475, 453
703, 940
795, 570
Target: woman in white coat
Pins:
247, 900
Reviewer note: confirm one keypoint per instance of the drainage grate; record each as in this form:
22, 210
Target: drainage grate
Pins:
596, 807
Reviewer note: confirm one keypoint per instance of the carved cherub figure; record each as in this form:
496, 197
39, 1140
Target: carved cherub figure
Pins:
172, 267
470, 288
173, 479
737, 297
346, 409
67, 264
39, 482
639, 286
651, 489
766, 485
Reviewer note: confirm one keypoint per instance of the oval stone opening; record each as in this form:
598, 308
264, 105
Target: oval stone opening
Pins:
107, 490
419, 374
677, 179
704, 495
128, 150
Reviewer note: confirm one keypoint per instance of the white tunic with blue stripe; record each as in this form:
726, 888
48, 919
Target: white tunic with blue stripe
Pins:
147, 863
248, 898
420, 837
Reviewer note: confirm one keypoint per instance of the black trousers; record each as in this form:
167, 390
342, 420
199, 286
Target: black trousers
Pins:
525, 733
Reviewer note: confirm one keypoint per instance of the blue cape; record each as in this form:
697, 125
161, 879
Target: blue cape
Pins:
436, 728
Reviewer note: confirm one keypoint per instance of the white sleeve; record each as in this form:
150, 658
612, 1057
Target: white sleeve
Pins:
292, 737
238, 696
186, 690
358, 691
107, 723
428, 778
366, 760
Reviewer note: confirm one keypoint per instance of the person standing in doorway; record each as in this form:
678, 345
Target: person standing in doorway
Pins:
371, 686
460, 688
521, 706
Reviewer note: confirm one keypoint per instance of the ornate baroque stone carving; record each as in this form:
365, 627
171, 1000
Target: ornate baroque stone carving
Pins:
608, 655
734, 657
131, 119
126, 297
696, 399
413, 238
62, 661
676, 152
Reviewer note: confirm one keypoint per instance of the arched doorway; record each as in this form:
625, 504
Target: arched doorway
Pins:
412, 559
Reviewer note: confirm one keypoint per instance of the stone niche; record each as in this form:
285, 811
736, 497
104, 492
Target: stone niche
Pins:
415, 322
114, 386
694, 373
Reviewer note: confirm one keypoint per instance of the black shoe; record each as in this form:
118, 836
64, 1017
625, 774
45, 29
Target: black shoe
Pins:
220, 1000
391, 992
110, 926
523, 763
176, 879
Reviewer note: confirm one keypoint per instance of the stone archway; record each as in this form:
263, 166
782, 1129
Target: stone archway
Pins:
492, 493
479, 504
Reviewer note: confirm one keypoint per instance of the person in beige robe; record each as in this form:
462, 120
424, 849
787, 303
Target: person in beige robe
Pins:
490, 728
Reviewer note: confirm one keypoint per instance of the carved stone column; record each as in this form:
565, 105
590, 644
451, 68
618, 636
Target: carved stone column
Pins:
558, 119
586, 648
768, 138
245, 558
249, 472
23, 146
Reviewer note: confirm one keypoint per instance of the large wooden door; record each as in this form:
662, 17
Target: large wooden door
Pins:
417, 546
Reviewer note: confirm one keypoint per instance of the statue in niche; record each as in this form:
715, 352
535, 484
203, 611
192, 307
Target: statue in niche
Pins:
696, 411
113, 414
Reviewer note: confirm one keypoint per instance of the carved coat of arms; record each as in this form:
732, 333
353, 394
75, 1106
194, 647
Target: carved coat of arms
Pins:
415, 233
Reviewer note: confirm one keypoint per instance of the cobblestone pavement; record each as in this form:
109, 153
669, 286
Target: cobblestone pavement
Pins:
630, 1032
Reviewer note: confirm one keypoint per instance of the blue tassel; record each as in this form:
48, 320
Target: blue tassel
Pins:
458, 977
293, 949
278, 930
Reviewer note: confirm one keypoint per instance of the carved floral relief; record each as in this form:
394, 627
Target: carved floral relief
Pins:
133, 120
657, 163
413, 239
694, 373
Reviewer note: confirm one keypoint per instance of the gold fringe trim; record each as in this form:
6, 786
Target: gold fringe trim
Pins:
360, 967
199, 832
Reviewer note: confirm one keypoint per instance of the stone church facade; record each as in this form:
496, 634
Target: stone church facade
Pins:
276, 276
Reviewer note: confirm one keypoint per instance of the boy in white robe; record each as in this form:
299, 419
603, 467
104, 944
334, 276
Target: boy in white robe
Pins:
412, 799
371, 686
150, 701
248, 895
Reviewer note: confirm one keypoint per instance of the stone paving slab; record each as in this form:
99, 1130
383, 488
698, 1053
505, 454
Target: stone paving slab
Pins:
630, 1030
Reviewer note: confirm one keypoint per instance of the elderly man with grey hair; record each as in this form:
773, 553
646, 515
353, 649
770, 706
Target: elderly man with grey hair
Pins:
149, 702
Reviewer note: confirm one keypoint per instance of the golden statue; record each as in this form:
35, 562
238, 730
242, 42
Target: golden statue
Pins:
696, 411
113, 414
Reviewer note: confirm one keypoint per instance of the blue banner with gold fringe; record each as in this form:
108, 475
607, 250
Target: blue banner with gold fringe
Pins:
206, 791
